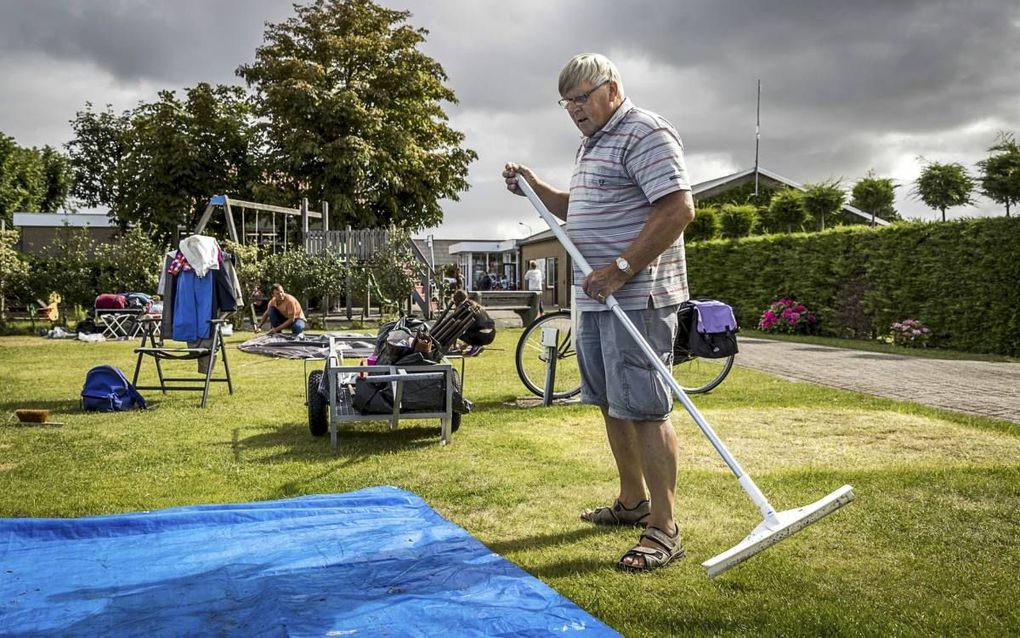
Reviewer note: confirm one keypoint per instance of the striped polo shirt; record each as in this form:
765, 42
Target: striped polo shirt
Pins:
634, 160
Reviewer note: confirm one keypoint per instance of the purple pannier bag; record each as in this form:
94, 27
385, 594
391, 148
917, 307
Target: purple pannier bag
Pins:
707, 328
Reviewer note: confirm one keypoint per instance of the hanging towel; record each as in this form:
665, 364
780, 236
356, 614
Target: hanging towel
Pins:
202, 253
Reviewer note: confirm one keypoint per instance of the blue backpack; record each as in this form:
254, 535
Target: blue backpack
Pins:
108, 390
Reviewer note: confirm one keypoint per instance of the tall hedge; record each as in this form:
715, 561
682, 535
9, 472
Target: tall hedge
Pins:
961, 278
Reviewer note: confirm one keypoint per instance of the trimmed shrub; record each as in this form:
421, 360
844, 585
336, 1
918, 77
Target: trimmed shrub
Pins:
736, 221
960, 276
705, 225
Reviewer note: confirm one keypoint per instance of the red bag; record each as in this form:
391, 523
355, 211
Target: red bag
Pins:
110, 301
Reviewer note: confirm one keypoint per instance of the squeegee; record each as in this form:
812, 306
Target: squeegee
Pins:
775, 526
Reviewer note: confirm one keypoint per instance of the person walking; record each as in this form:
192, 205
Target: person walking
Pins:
628, 203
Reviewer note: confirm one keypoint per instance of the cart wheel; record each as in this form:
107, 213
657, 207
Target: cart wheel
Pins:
455, 422
318, 407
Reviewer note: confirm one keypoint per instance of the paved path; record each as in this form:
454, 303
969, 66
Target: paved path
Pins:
975, 387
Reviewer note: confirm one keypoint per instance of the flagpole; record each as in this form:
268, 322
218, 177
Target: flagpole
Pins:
757, 140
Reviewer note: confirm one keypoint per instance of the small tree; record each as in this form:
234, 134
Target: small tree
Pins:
876, 196
943, 186
292, 270
823, 198
130, 264
393, 267
705, 225
70, 269
1000, 172
737, 221
329, 275
787, 210
13, 270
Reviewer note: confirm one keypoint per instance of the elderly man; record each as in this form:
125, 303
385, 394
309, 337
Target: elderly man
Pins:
284, 311
627, 207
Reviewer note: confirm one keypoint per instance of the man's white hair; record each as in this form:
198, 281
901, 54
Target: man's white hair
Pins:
589, 67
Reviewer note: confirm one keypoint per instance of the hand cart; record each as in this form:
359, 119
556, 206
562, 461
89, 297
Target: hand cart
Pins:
331, 394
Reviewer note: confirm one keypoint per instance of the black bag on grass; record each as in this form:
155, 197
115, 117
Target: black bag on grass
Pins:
706, 328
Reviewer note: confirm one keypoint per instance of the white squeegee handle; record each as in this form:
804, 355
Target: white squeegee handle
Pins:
745, 481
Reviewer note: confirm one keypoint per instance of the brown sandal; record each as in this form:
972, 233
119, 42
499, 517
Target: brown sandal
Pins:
653, 558
618, 514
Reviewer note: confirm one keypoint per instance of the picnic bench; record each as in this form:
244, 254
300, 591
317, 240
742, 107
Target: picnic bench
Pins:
523, 302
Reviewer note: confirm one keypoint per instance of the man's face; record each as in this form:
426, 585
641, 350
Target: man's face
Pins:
591, 116
278, 294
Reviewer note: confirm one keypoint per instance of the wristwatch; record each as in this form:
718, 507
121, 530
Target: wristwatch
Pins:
624, 265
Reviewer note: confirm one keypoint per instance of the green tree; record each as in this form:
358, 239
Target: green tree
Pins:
737, 221
705, 224
157, 165
1000, 172
14, 270
787, 210
875, 195
942, 186
70, 269
293, 270
100, 142
22, 179
821, 199
352, 114
56, 179
130, 264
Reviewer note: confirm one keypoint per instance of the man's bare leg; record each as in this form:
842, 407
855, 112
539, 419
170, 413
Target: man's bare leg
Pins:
626, 447
657, 447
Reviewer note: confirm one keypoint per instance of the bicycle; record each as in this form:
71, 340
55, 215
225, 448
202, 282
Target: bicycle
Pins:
696, 375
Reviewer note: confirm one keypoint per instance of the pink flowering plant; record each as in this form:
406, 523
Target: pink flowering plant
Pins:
909, 332
786, 315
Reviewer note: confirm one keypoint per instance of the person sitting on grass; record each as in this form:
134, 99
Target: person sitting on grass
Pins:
481, 333
284, 311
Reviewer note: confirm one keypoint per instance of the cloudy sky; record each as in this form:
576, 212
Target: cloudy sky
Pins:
846, 87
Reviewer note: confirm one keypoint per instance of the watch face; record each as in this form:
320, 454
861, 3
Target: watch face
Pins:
622, 264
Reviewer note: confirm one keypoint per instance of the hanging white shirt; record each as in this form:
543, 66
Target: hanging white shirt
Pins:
202, 253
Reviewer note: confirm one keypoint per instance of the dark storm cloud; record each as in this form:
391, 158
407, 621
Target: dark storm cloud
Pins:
178, 42
845, 86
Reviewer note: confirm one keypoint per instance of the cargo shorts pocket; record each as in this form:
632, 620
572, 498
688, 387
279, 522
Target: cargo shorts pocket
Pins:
645, 397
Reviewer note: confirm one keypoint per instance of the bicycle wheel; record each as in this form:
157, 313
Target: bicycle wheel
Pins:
532, 357
697, 375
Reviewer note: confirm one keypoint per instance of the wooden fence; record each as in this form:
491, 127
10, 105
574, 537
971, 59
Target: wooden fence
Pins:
352, 244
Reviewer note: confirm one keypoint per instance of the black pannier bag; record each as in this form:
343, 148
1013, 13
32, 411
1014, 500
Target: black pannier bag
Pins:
705, 328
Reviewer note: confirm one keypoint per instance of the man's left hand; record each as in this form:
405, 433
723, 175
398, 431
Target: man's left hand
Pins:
605, 281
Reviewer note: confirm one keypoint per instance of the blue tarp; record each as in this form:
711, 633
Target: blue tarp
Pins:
376, 562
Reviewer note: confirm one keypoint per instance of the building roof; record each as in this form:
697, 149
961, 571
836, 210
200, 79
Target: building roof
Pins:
56, 220
482, 246
721, 184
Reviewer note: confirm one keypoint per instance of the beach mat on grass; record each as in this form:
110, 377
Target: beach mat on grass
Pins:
375, 562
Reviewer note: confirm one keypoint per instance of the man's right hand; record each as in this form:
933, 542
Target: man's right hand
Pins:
510, 173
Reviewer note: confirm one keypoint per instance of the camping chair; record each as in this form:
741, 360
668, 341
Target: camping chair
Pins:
118, 324
159, 353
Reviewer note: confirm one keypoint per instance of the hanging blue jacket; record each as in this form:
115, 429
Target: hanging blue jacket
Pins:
193, 307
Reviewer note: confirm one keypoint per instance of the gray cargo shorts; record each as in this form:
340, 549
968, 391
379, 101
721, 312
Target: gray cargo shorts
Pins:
615, 372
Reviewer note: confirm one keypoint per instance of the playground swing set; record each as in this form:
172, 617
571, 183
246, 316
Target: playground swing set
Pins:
355, 246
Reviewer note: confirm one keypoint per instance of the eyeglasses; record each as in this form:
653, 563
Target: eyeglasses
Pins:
580, 99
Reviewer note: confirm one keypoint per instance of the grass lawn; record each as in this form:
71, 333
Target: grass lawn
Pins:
930, 546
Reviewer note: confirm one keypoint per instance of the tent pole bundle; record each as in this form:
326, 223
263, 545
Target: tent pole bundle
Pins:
775, 526
449, 327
